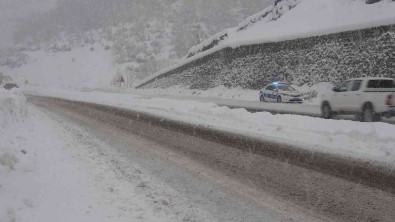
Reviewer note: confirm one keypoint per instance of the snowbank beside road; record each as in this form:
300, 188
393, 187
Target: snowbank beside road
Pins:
370, 141
13, 159
312, 93
38, 181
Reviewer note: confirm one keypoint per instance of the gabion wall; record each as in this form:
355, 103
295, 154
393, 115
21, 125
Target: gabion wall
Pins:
329, 58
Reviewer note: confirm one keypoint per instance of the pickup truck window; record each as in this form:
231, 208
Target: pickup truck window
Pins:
387, 84
344, 86
376, 84
356, 85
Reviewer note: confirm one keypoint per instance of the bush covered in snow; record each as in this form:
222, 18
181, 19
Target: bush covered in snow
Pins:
14, 59
12, 107
13, 111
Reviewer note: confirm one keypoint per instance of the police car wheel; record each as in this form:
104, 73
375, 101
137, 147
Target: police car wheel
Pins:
279, 100
262, 99
326, 111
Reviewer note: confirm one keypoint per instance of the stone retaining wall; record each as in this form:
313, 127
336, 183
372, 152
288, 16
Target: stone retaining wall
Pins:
329, 58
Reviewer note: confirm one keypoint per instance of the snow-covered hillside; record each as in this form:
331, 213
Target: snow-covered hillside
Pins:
291, 19
93, 59
142, 38
81, 67
96, 58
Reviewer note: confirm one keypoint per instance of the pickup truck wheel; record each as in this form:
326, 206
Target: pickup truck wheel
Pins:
359, 117
262, 99
326, 111
368, 114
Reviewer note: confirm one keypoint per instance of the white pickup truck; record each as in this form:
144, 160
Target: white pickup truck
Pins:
368, 98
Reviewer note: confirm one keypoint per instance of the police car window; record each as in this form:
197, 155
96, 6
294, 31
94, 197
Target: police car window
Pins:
356, 85
286, 88
269, 87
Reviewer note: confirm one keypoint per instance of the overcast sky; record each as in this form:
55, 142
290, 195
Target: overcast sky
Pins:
12, 10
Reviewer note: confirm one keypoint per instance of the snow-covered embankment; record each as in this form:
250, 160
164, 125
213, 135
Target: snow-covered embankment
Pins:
14, 162
39, 180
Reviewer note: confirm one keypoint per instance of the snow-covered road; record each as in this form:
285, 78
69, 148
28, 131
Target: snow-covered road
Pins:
71, 161
370, 141
72, 169
146, 181
244, 167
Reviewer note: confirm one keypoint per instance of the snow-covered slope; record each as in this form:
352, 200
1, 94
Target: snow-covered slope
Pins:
291, 19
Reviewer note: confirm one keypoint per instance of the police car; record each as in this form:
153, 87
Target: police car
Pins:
280, 92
